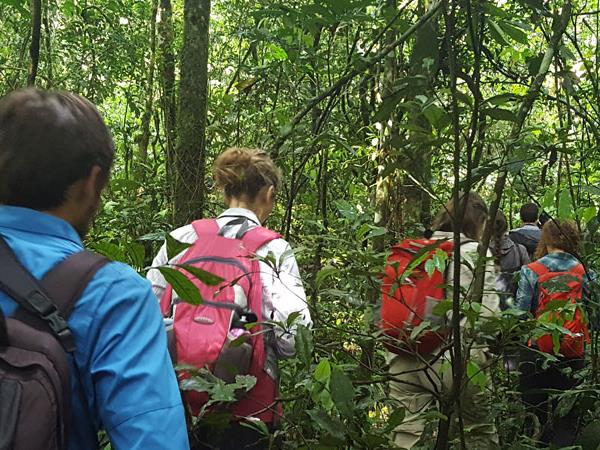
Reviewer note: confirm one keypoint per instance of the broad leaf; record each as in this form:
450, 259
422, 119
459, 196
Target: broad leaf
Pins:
323, 371
304, 345
182, 285
327, 423
342, 392
174, 247
210, 279
395, 419
565, 205
500, 114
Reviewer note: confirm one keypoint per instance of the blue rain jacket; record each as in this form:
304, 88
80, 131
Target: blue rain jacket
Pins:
126, 383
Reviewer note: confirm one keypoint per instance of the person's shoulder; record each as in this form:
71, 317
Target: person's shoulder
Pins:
118, 280
185, 233
278, 245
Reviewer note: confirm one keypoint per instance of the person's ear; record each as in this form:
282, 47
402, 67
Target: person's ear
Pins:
271, 194
94, 182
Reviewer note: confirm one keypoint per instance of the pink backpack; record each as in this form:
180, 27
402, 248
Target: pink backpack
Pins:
202, 331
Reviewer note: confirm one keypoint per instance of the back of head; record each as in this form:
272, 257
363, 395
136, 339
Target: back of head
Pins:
498, 232
529, 213
559, 234
243, 172
473, 220
500, 226
48, 141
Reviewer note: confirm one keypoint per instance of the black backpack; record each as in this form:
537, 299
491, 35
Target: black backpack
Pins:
35, 394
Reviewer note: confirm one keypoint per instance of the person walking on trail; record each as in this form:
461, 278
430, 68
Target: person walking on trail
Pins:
556, 277
420, 369
86, 329
260, 282
529, 233
509, 258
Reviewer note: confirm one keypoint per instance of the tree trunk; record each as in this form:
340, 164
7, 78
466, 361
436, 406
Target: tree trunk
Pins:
48, 45
168, 105
191, 121
140, 168
34, 49
416, 209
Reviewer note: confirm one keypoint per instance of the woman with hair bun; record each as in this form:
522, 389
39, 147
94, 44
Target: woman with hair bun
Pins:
249, 180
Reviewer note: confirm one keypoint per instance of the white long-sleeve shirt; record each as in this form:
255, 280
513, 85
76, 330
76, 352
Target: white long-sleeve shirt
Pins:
283, 293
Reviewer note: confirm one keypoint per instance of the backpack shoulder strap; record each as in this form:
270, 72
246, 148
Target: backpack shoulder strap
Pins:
67, 280
578, 270
257, 237
538, 268
47, 304
206, 227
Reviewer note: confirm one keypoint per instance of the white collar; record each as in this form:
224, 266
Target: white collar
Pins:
241, 212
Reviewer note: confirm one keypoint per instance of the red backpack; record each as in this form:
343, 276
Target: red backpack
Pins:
202, 331
410, 295
570, 346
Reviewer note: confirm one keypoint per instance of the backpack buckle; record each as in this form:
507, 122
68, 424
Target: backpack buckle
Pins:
49, 313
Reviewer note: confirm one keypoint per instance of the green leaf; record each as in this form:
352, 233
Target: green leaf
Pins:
323, 371
174, 247
497, 33
515, 33
442, 308
342, 392
533, 64
304, 345
329, 424
292, 318
210, 279
110, 250
387, 108
256, 425
500, 99
19, 5
566, 53
430, 267
547, 200
182, 285
590, 436
416, 332
276, 53
435, 115
589, 213
395, 419
155, 236
476, 375
136, 254
537, 5
324, 273
565, 206
500, 114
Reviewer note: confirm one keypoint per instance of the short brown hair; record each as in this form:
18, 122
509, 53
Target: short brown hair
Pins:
560, 234
243, 172
473, 220
48, 141
529, 213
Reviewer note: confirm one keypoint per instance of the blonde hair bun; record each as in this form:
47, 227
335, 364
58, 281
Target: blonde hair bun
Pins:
243, 172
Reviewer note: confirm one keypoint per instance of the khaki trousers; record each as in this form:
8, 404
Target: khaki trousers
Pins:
415, 387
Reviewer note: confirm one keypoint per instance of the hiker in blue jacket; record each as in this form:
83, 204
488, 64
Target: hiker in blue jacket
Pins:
55, 158
540, 376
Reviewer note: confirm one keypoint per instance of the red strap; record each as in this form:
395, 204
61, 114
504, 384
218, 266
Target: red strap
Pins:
253, 239
578, 270
257, 237
206, 227
538, 268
